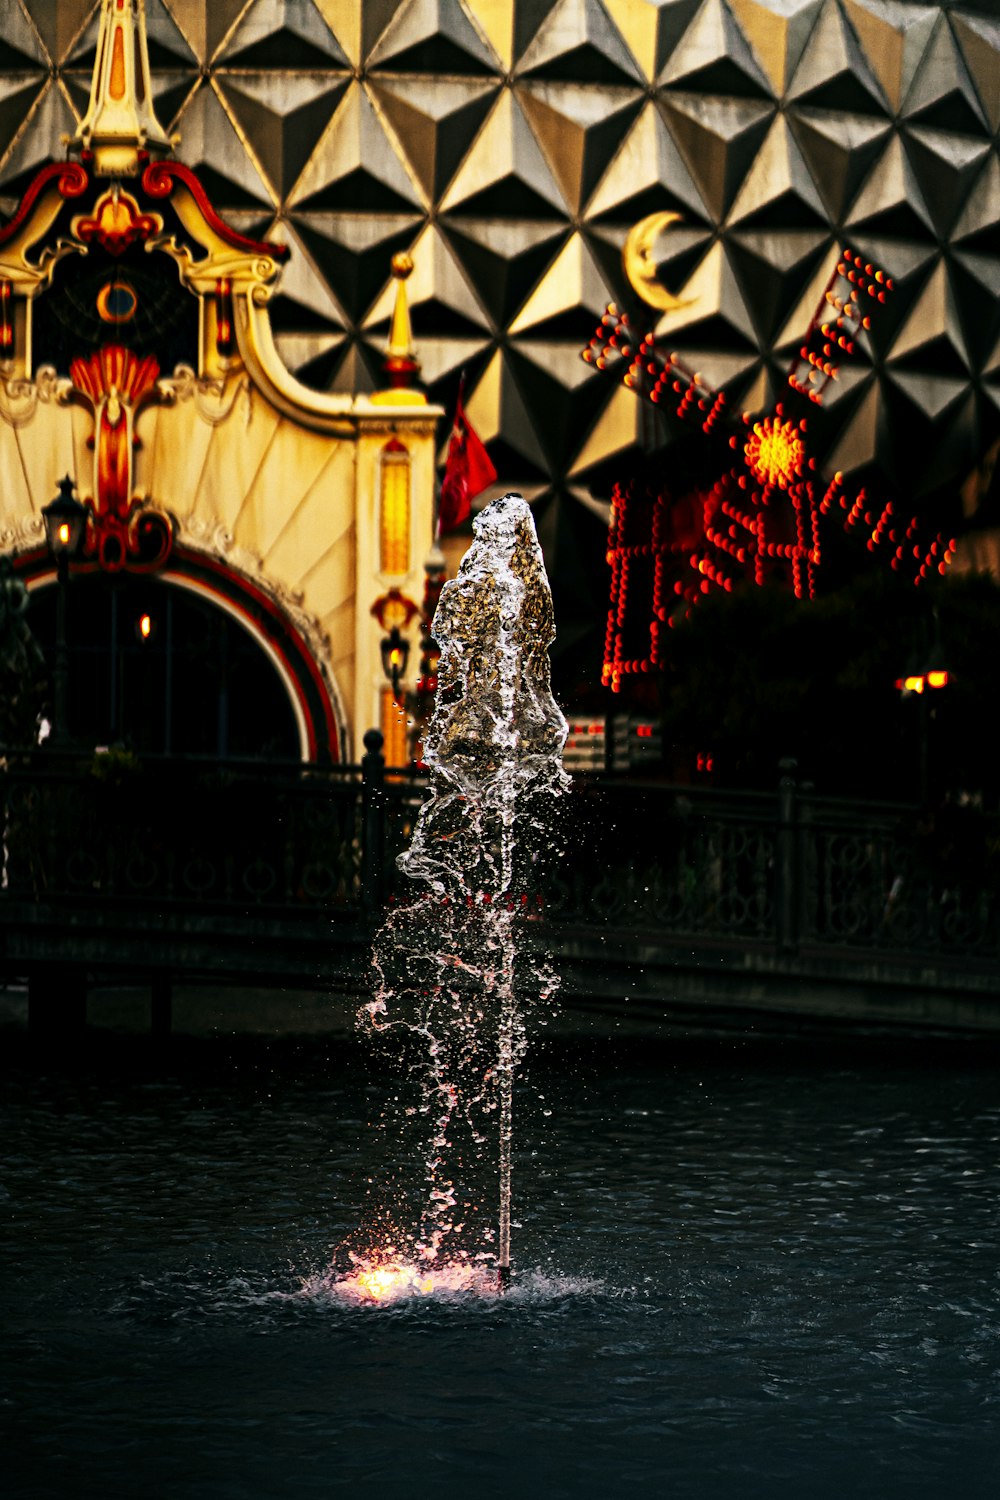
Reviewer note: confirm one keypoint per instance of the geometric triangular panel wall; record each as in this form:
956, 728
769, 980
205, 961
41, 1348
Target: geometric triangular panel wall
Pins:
514, 144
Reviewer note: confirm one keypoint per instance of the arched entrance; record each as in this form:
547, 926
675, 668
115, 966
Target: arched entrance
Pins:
190, 661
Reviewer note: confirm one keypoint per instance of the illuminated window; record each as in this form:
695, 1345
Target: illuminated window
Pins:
394, 731
394, 511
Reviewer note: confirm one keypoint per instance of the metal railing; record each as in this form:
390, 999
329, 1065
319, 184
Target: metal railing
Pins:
769, 871
291, 839
784, 871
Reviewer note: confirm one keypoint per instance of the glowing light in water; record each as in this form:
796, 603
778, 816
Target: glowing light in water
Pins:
451, 974
396, 1283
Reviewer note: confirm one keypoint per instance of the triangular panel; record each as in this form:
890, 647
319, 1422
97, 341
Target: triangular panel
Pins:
890, 202
212, 145
352, 251
282, 34
505, 173
718, 139
207, 23
840, 150
354, 167
432, 36
772, 267
777, 37
931, 317
568, 300
834, 73
578, 42
946, 164
647, 173
714, 57
304, 302
636, 22
579, 129
434, 126
503, 259
554, 380
778, 190
495, 21
942, 93
979, 37
282, 127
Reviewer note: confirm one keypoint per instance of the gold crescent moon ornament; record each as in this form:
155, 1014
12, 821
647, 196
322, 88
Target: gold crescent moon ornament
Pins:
640, 265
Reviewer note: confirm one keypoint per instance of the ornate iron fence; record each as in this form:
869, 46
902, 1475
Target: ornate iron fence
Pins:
784, 871
762, 871
668, 858
218, 836
897, 879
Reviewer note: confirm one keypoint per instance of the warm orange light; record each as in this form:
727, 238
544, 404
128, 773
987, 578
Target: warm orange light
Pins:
64, 535
390, 1281
394, 511
393, 1281
145, 627
937, 679
395, 728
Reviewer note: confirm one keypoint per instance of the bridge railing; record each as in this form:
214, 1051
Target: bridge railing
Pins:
786, 870
779, 870
217, 835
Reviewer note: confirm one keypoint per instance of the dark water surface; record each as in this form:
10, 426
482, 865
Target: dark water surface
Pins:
738, 1275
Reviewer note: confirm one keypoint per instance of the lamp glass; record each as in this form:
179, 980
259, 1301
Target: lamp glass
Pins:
65, 518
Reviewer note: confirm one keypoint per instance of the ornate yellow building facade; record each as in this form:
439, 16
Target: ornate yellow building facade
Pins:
137, 358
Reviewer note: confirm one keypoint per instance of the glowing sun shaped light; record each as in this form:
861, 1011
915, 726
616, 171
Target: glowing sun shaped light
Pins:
774, 452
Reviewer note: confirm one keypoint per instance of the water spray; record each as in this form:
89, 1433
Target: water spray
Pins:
448, 963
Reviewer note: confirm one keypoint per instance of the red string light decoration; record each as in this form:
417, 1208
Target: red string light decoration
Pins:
760, 520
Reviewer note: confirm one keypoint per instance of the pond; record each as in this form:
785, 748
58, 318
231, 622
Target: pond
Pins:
738, 1272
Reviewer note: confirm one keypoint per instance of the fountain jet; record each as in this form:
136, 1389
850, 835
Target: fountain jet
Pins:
448, 965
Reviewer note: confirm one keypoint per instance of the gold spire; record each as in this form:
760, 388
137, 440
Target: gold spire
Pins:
401, 366
120, 121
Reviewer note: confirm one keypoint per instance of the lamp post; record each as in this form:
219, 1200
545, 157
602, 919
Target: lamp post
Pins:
65, 518
395, 649
926, 674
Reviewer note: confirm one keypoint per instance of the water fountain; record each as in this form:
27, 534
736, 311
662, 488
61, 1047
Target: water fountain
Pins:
450, 975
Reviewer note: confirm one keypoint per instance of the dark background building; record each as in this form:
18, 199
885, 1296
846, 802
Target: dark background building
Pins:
511, 146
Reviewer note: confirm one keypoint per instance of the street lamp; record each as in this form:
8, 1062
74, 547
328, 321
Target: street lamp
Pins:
926, 675
65, 518
395, 649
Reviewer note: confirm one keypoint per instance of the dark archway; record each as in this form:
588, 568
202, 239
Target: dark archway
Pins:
165, 670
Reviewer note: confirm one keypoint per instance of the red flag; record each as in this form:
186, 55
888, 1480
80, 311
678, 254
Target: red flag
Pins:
467, 472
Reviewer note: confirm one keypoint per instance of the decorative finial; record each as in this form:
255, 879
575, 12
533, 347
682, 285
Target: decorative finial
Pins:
120, 122
401, 366
400, 345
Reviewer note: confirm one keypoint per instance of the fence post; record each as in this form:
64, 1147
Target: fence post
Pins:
805, 863
785, 905
372, 825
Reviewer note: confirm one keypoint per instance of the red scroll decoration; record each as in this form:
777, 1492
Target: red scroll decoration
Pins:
121, 530
159, 180
70, 178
